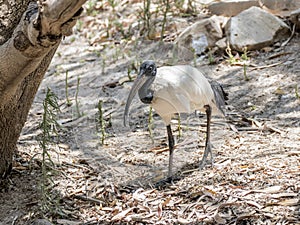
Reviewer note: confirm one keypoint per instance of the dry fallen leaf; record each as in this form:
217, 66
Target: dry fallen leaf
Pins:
139, 195
122, 214
166, 202
271, 190
183, 221
279, 91
245, 216
159, 210
289, 202
284, 195
219, 219
210, 193
255, 204
68, 222
141, 217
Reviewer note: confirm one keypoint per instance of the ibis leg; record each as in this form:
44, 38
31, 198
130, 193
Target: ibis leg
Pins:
171, 149
207, 141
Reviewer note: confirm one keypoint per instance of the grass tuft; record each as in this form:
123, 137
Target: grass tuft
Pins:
49, 127
101, 121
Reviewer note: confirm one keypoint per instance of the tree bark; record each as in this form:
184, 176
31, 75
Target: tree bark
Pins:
29, 37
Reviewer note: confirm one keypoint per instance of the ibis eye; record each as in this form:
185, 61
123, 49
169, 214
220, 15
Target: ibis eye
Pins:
150, 68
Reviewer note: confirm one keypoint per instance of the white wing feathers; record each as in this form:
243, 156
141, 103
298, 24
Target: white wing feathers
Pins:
181, 89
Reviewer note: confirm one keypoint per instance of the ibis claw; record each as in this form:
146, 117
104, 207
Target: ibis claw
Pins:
203, 163
163, 182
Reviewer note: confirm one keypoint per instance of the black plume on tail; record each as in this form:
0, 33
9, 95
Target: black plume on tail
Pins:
220, 95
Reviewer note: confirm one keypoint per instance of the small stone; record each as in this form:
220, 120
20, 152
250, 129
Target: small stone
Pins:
41, 222
281, 5
231, 7
222, 43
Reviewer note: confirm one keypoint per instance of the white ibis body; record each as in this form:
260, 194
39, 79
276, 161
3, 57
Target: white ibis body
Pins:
177, 89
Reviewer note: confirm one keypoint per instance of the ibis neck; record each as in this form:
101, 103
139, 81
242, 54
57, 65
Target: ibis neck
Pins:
145, 92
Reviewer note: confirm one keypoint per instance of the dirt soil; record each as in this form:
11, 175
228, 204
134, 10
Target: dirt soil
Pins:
255, 178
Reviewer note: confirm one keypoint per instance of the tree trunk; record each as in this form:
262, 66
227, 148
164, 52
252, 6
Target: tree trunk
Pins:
29, 37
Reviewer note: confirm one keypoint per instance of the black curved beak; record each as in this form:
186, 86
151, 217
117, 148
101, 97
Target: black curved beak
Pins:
138, 83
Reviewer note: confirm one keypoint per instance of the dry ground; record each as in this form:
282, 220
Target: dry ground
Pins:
256, 175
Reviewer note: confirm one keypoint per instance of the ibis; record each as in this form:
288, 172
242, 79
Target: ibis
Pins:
177, 89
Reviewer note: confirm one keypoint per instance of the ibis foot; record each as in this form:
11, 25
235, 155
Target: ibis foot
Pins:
202, 164
163, 182
204, 160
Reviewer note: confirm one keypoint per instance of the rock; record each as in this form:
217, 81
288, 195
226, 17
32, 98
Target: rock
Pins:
222, 43
202, 34
231, 7
255, 28
281, 5
281, 8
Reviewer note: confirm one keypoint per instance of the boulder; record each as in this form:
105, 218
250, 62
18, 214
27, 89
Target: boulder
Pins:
255, 28
231, 7
281, 5
222, 43
202, 34
280, 8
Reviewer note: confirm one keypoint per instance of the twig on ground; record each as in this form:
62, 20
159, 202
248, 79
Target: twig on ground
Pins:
279, 54
290, 38
89, 199
266, 66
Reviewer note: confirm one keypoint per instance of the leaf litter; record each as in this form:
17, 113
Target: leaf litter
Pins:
254, 180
